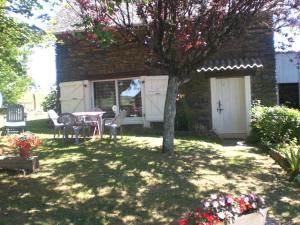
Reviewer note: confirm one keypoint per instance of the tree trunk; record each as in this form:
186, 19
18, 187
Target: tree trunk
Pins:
169, 115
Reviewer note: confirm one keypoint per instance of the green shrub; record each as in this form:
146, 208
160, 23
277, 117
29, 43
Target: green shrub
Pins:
292, 154
274, 125
50, 101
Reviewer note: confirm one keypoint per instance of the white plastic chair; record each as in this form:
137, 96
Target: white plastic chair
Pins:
116, 123
57, 126
15, 119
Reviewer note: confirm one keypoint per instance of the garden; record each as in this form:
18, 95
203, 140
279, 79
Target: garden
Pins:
132, 182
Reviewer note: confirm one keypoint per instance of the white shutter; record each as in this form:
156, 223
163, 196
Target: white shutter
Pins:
155, 89
74, 96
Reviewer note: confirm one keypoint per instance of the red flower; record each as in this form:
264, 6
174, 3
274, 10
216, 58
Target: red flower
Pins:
208, 217
182, 222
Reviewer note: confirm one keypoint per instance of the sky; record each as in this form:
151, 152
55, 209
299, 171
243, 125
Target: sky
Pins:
43, 71
42, 67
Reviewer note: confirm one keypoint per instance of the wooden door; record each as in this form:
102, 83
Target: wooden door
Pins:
74, 96
229, 107
155, 89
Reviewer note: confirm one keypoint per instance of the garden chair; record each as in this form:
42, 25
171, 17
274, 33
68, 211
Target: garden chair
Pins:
57, 126
95, 121
116, 123
15, 119
70, 126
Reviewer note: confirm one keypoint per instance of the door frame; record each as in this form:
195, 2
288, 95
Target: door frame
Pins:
247, 85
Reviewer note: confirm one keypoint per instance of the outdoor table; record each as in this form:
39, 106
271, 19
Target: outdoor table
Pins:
99, 121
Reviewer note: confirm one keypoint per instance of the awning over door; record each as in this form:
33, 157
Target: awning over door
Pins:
230, 64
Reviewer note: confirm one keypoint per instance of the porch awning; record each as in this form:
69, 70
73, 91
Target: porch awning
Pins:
230, 64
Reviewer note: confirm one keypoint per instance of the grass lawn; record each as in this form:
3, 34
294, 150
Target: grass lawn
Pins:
132, 182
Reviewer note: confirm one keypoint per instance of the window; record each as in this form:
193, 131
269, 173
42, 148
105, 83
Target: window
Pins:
129, 96
105, 95
289, 95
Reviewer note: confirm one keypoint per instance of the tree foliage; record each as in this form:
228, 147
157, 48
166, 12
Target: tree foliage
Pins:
16, 40
181, 34
50, 101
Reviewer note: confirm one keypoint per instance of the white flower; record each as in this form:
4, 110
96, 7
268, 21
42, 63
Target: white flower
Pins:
213, 196
236, 210
221, 215
206, 204
254, 205
246, 199
215, 204
229, 214
222, 202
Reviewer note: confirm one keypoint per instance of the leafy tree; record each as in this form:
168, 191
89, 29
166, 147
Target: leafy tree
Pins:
51, 101
181, 34
16, 40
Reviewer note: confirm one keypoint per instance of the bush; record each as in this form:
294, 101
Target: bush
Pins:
292, 154
274, 125
50, 101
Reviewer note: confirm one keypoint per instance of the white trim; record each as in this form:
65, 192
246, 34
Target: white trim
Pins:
145, 122
128, 78
248, 102
213, 101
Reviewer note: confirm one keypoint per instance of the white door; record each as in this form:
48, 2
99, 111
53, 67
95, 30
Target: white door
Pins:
229, 106
155, 89
75, 96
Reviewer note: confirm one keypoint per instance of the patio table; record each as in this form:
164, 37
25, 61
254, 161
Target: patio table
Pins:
88, 119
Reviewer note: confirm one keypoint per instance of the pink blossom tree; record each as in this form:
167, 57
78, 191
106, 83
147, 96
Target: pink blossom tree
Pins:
180, 34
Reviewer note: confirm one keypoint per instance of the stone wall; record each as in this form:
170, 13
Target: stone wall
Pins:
256, 43
78, 60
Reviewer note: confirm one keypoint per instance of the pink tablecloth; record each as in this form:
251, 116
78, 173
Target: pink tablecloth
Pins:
99, 122
89, 113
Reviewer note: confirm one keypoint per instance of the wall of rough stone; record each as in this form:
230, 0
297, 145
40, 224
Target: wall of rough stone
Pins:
78, 60
256, 43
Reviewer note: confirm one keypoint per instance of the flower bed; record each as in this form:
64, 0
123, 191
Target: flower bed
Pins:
24, 143
225, 209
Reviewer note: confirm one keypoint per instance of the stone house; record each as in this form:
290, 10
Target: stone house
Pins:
218, 98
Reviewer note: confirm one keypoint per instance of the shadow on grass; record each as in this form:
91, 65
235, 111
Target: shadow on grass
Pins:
132, 182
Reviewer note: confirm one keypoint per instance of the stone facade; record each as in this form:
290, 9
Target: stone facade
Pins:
256, 43
78, 60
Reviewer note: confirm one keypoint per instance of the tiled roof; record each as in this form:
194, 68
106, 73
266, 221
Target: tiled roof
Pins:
230, 64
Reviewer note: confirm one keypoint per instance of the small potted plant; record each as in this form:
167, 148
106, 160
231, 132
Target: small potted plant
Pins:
24, 143
228, 209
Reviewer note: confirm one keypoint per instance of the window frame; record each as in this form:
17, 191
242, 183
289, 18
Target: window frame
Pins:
135, 120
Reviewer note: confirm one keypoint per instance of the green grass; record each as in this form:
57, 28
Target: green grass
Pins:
132, 182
